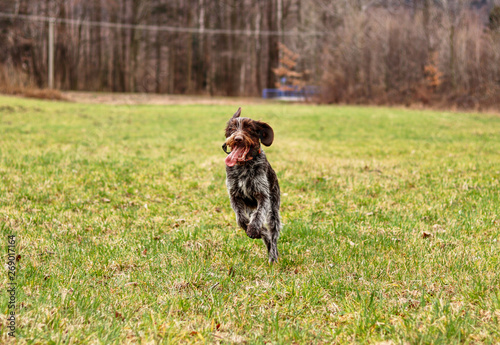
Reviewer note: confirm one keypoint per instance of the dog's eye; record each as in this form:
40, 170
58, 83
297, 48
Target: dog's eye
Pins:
230, 130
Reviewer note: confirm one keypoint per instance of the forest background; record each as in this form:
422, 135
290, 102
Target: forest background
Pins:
437, 52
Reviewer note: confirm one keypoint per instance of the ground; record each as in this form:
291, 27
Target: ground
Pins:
124, 232
115, 98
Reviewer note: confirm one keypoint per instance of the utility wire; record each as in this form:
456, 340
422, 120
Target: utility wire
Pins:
160, 28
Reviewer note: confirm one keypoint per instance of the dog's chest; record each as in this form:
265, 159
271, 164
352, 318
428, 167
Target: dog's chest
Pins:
245, 182
244, 186
239, 183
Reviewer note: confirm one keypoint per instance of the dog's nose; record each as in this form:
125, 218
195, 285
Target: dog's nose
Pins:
238, 139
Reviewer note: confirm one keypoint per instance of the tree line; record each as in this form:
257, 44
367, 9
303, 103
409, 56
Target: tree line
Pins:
362, 51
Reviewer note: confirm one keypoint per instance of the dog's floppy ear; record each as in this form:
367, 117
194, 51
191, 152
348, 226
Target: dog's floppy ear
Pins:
237, 114
266, 133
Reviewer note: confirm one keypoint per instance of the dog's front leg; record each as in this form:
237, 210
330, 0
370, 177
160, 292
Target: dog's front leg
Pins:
254, 229
239, 208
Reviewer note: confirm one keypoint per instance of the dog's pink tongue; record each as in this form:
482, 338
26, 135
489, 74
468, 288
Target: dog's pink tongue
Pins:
235, 156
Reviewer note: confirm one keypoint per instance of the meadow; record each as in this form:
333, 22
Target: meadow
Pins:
124, 232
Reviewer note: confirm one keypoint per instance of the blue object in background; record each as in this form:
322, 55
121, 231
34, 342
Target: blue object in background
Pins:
303, 94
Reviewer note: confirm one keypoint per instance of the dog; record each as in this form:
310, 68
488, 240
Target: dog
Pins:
251, 182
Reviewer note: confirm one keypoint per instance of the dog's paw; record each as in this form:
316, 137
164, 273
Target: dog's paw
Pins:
273, 260
253, 232
273, 256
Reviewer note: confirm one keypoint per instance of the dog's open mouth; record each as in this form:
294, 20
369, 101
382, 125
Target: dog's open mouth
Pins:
238, 155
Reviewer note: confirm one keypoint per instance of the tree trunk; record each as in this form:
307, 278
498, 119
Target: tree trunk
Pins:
171, 69
452, 56
189, 62
257, 38
158, 61
273, 53
202, 54
134, 44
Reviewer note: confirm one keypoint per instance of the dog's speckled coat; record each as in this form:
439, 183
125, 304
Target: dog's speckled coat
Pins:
252, 183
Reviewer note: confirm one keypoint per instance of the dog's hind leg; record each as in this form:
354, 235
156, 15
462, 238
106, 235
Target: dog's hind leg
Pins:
270, 236
271, 242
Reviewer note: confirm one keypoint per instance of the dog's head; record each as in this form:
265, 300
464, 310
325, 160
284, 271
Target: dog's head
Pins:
243, 136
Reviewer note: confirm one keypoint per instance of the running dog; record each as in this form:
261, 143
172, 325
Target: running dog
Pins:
251, 182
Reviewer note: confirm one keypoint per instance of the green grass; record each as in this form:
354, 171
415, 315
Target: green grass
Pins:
126, 234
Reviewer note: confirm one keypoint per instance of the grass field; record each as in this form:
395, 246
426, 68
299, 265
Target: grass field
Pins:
125, 232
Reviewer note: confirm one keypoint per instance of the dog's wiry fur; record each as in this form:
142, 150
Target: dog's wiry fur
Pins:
251, 181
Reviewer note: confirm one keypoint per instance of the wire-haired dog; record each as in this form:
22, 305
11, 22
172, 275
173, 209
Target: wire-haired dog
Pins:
251, 182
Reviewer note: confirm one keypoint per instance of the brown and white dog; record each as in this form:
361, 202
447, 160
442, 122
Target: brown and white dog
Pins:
251, 181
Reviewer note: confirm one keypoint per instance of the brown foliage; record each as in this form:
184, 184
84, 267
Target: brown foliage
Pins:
288, 62
432, 73
12, 83
447, 59
33, 93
